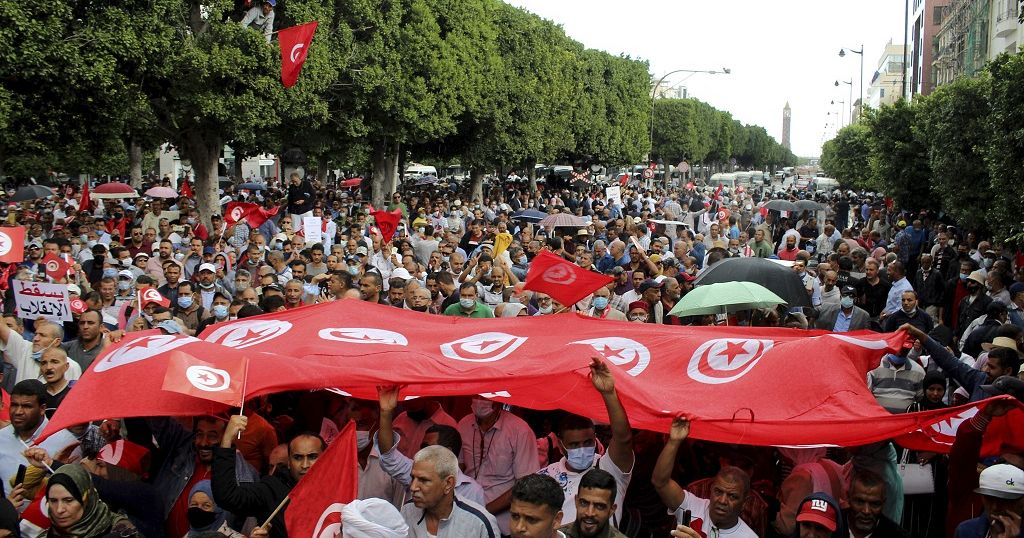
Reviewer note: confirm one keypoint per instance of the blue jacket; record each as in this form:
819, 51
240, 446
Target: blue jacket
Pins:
969, 378
975, 528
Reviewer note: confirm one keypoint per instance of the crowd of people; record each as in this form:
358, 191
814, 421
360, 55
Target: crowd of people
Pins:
468, 466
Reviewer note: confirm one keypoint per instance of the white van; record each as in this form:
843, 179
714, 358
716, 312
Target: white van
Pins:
824, 184
727, 181
416, 170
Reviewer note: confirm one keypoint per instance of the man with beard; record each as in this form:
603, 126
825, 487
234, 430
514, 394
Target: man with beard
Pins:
670, 294
974, 304
259, 500
595, 504
419, 300
188, 460
719, 515
1001, 361
28, 403
866, 499
24, 355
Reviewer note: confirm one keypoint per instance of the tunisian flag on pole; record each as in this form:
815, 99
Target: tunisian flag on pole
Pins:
294, 43
567, 282
86, 203
189, 375
186, 189
56, 268
332, 482
12, 244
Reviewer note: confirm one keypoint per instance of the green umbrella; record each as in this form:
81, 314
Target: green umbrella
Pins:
725, 297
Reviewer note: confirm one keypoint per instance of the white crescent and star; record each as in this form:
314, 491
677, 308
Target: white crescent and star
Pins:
296, 51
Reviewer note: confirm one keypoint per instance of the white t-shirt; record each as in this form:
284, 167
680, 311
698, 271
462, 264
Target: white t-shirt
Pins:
700, 520
569, 480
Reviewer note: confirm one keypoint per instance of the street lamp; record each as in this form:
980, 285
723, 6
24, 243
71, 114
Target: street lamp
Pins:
842, 53
839, 115
654, 95
850, 101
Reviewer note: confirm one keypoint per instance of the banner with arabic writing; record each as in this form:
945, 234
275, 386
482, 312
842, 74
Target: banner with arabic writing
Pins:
40, 300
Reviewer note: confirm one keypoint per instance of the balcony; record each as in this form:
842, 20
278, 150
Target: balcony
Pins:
1006, 19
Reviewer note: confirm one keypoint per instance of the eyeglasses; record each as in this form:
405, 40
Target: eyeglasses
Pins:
637, 317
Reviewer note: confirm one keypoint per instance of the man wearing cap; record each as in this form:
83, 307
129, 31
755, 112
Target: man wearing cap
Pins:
844, 316
819, 516
974, 304
1001, 488
262, 18
650, 293
208, 285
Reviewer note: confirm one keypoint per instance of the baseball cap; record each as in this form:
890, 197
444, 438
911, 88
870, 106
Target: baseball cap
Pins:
207, 267
1005, 384
687, 276
208, 250
1002, 481
125, 273
641, 305
34, 244
1016, 287
617, 270
818, 511
402, 273
977, 276
361, 251
648, 284
73, 288
142, 254
848, 290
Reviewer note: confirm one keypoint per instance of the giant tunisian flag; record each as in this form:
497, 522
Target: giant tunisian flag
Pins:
567, 282
757, 386
332, 482
294, 43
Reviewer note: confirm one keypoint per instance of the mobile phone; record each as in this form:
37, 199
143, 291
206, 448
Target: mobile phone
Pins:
19, 479
685, 519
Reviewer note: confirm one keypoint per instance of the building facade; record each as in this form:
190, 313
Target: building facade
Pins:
925, 21
887, 81
962, 40
1006, 30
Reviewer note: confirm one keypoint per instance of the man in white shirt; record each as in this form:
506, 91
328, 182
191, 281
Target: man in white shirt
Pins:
576, 434
28, 403
497, 449
25, 356
715, 517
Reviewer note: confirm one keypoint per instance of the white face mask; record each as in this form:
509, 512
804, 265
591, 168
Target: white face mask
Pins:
482, 408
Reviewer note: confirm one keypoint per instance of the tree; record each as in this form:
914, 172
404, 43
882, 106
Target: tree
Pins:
1006, 146
953, 124
675, 132
845, 157
898, 160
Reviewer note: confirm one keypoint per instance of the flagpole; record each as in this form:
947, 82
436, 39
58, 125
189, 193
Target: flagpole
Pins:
274, 513
241, 404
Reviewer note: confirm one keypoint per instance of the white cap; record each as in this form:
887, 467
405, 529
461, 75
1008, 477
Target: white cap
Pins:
402, 273
73, 288
1002, 481
207, 267
125, 273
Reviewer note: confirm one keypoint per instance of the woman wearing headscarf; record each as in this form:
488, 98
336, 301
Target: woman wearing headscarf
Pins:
204, 515
75, 508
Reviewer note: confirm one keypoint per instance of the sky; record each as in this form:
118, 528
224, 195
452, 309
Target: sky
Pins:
777, 50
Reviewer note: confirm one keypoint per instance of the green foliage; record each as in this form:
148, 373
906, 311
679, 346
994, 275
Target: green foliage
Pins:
845, 157
898, 160
1005, 151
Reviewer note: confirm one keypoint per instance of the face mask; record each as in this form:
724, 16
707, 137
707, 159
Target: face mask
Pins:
241, 286
896, 360
963, 277
109, 273
522, 260
75, 249
987, 262
209, 286
482, 408
546, 309
199, 518
846, 302
910, 312
467, 303
220, 311
124, 285
600, 303
185, 301
580, 459
362, 439
420, 308
84, 238
353, 270
38, 355
446, 259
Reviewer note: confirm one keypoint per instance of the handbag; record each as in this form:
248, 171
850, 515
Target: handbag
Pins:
917, 479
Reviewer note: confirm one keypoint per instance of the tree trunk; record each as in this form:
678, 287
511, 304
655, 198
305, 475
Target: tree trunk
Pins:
477, 191
237, 172
378, 183
531, 171
204, 154
392, 167
321, 169
135, 162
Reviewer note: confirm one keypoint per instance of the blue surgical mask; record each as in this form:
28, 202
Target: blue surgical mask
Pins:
600, 303
467, 303
109, 272
124, 285
963, 277
353, 270
580, 459
522, 260
846, 302
896, 360
185, 301
220, 311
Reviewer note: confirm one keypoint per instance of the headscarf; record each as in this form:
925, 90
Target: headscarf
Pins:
219, 514
512, 310
372, 518
97, 519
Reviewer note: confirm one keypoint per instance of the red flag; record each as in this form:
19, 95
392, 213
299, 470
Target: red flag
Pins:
151, 295
718, 192
118, 225
294, 43
260, 215
387, 221
566, 282
332, 482
56, 267
189, 375
12, 244
86, 203
186, 189
236, 212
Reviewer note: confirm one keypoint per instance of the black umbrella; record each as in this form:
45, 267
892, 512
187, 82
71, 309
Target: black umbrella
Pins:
781, 205
31, 192
529, 215
778, 278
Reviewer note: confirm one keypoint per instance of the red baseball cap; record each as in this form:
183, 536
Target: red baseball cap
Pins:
818, 511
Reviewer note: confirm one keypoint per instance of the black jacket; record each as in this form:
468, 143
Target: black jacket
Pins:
257, 500
303, 191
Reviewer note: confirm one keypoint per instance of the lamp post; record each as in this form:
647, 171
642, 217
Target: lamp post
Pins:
654, 95
839, 115
842, 53
849, 117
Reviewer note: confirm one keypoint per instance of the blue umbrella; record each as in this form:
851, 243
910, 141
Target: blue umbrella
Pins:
529, 215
